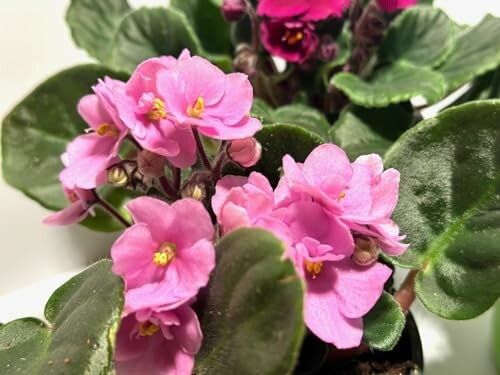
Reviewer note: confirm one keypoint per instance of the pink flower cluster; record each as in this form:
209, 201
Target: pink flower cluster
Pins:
164, 259
334, 216
160, 105
289, 30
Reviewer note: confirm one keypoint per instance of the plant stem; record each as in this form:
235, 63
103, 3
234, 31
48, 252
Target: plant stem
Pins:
176, 175
220, 162
111, 210
254, 21
201, 150
171, 192
406, 292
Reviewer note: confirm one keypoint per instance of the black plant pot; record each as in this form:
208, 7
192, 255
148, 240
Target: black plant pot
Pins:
317, 358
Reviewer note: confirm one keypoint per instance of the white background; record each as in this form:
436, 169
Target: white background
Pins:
35, 43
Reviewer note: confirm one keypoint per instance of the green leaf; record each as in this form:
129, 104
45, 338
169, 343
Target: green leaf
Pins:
253, 320
304, 116
483, 87
35, 134
422, 36
150, 32
93, 24
262, 110
208, 23
393, 84
496, 336
83, 315
361, 131
384, 324
449, 207
477, 51
277, 140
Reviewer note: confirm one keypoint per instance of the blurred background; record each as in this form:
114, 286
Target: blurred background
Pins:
34, 259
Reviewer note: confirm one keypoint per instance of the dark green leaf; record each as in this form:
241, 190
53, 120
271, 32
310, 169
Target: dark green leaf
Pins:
486, 86
150, 32
361, 131
422, 36
277, 140
253, 321
262, 110
384, 324
84, 315
449, 207
477, 51
93, 24
394, 84
304, 116
35, 134
496, 336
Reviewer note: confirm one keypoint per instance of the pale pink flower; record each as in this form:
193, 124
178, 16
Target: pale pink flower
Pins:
81, 202
143, 108
167, 255
305, 10
391, 6
198, 93
87, 156
246, 152
159, 342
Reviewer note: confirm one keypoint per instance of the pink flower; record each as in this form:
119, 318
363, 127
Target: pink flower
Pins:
143, 107
246, 152
87, 156
362, 194
294, 41
160, 342
167, 256
81, 204
390, 6
232, 10
198, 93
305, 10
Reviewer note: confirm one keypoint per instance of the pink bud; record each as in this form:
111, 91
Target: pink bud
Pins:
246, 152
232, 10
366, 252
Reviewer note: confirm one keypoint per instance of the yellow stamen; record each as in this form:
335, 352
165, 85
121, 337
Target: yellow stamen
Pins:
314, 268
293, 37
165, 254
158, 112
197, 109
148, 329
106, 129
341, 196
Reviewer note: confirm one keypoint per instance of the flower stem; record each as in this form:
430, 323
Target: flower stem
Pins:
201, 149
255, 26
171, 192
176, 175
406, 292
111, 210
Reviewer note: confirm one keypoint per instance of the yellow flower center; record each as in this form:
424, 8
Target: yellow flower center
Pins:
106, 129
165, 254
158, 112
341, 196
197, 109
314, 268
293, 37
148, 329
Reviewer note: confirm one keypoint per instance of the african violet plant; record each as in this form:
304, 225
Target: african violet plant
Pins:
246, 217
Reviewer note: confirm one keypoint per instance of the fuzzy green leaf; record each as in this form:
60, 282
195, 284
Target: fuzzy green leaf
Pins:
449, 207
304, 116
384, 324
84, 315
253, 319
36, 132
422, 36
496, 336
393, 84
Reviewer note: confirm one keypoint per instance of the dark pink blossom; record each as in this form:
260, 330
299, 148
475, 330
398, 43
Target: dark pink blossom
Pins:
391, 6
306, 10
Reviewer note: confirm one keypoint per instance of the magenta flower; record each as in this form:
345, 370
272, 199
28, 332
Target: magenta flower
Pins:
167, 255
143, 108
362, 194
81, 205
87, 156
294, 41
305, 10
160, 342
391, 6
198, 93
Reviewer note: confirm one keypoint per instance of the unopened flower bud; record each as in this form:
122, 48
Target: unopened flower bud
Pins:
232, 10
366, 251
327, 48
151, 164
117, 176
194, 191
245, 60
246, 152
